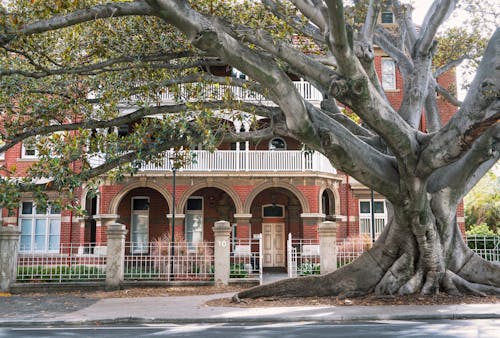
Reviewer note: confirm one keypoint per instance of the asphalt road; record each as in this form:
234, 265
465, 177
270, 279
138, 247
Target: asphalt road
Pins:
443, 328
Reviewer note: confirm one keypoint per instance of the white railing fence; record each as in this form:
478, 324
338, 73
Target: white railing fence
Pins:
210, 91
303, 257
153, 262
488, 247
304, 254
246, 259
73, 263
231, 160
350, 248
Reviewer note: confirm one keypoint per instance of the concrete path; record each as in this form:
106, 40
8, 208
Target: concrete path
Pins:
63, 310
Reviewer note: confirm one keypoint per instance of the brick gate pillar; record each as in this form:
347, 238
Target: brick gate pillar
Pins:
9, 244
222, 230
327, 246
115, 256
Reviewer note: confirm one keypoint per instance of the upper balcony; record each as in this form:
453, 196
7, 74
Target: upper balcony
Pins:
279, 161
220, 92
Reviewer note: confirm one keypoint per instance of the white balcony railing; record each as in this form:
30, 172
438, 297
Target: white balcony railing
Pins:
208, 91
230, 160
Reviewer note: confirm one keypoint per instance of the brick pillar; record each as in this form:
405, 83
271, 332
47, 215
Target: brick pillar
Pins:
102, 222
179, 226
328, 246
310, 222
222, 230
243, 226
9, 243
115, 255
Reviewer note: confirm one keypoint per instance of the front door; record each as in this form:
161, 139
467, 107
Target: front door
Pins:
140, 225
274, 244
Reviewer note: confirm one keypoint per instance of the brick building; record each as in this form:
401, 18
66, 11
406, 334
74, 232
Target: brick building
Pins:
272, 187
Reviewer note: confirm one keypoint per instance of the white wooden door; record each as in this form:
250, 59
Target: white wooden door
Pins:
274, 244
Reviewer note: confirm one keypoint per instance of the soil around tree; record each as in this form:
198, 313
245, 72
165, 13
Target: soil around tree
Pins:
369, 300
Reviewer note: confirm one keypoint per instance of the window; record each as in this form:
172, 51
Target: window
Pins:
272, 210
238, 74
194, 221
140, 225
40, 228
388, 74
277, 143
29, 150
2, 155
234, 146
387, 17
365, 216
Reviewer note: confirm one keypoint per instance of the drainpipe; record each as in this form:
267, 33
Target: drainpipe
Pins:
347, 204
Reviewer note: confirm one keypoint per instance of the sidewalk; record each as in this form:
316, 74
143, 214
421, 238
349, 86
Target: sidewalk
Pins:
65, 310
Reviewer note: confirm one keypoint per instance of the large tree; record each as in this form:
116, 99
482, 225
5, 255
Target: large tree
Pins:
72, 67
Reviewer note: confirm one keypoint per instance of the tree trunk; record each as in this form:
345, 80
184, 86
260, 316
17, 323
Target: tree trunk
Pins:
418, 252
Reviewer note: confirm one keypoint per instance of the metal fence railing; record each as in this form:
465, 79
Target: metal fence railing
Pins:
488, 247
154, 261
303, 256
73, 263
350, 248
246, 259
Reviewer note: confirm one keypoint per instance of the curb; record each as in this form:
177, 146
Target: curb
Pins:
239, 320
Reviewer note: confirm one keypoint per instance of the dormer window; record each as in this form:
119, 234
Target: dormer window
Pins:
387, 17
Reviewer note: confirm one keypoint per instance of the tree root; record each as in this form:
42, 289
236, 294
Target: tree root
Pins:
354, 280
379, 272
466, 287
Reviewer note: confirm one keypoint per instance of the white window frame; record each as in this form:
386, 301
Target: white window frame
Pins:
26, 156
33, 217
367, 217
388, 76
191, 214
382, 15
145, 248
2, 154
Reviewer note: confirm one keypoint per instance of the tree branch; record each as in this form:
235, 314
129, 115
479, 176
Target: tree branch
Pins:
439, 11
479, 111
139, 7
314, 10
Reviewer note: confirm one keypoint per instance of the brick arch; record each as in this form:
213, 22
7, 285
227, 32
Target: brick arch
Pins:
227, 189
287, 186
115, 202
336, 195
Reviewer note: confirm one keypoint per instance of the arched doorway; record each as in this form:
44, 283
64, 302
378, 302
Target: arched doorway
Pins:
202, 209
143, 211
275, 213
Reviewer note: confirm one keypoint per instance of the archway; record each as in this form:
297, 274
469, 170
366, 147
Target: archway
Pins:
143, 211
275, 213
202, 208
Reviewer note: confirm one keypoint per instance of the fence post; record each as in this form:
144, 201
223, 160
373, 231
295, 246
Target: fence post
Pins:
9, 242
115, 256
222, 230
328, 246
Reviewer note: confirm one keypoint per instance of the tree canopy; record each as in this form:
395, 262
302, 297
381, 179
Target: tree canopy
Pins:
70, 70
